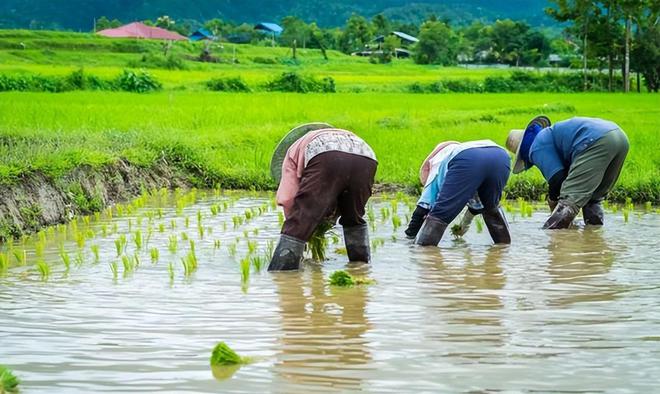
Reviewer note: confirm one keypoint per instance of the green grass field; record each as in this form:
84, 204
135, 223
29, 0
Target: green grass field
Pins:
229, 137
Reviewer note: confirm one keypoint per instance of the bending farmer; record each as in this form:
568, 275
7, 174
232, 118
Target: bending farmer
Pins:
581, 158
456, 174
323, 173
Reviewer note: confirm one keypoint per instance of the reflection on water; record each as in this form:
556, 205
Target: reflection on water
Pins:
563, 311
322, 331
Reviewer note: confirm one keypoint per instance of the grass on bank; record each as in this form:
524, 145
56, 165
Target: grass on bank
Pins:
228, 139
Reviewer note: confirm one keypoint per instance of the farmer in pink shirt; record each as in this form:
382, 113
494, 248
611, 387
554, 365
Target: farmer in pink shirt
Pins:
323, 173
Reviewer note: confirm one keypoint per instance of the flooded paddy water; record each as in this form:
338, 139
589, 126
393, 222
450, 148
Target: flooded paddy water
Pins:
125, 302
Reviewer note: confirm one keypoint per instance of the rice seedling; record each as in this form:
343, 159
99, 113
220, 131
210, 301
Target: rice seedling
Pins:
173, 224
270, 248
170, 271
384, 213
139, 221
173, 243
224, 226
215, 209
161, 228
104, 230
80, 240
626, 215
216, 244
79, 259
252, 246
396, 222
200, 231
137, 239
342, 278
245, 270
479, 225
113, 269
115, 227
245, 234
9, 382
199, 216
231, 248
258, 262
136, 260
186, 222
648, 207
21, 256
120, 210
130, 225
318, 243
209, 230
223, 355
95, 253
39, 248
120, 244
394, 206
155, 255
44, 269
128, 264
4, 263
184, 236
86, 220
189, 263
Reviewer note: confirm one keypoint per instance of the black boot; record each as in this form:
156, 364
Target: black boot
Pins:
562, 216
287, 255
431, 232
356, 239
593, 214
497, 225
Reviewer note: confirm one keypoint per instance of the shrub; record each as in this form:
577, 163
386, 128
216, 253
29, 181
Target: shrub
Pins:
231, 84
150, 60
264, 60
138, 82
293, 82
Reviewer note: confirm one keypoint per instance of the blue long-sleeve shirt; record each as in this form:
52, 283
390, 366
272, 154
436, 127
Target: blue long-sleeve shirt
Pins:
555, 147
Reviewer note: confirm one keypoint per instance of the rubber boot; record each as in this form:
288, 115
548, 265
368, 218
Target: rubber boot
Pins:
562, 216
593, 214
497, 225
431, 232
287, 255
356, 239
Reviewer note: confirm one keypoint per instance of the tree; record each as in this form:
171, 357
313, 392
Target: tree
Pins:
581, 13
646, 57
320, 39
438, 44
356, 34
295, 29
381, 25
104, 23
165, 22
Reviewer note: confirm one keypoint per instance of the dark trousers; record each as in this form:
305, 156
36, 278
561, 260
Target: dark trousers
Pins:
483, 171
333, 183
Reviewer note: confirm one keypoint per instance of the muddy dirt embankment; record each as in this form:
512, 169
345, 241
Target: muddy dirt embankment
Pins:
37, 201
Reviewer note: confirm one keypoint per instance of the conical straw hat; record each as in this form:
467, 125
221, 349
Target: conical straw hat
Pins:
515, 138
288, 140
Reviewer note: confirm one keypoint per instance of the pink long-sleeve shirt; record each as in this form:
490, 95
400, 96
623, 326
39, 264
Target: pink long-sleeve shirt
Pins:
305, 149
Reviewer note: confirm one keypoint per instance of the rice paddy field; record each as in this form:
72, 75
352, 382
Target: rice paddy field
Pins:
154, 293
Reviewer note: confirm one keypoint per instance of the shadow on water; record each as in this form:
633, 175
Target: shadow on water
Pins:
323, 328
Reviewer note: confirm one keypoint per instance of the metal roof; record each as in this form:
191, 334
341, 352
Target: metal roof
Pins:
271, 27
405, 36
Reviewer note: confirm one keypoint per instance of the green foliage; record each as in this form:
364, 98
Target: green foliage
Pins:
8, 381
222, 354
230, 84
344, 279
137, 82
438, 44
294, 82
152, 60
341, 279
646, 57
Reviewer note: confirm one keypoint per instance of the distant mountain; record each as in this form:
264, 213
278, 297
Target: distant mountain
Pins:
80, 14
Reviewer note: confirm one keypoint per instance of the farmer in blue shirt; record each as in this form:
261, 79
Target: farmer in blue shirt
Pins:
459, 174
581, 158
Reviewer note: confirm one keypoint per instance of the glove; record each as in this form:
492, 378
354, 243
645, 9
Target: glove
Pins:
416, 222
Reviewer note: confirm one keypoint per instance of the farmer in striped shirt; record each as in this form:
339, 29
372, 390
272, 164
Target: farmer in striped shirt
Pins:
323, 173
